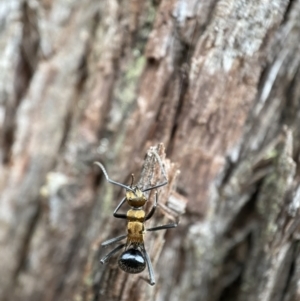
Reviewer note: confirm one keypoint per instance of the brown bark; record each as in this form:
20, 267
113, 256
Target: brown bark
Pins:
217, 82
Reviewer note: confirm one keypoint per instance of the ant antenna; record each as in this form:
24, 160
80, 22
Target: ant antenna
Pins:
132, 179
109, 180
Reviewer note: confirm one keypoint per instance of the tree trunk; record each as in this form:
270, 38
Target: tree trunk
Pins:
217, 82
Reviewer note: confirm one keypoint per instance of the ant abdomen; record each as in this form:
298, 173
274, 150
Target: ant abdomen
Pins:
132, 261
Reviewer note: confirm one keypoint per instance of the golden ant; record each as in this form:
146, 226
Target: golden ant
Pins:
135, 257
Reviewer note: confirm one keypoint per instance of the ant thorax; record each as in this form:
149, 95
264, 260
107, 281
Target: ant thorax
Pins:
136, 198
135, 226
134, 215
135, 233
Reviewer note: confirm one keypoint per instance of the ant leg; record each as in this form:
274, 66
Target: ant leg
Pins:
122, 215
113, 240
150, 214
149, 265
168, 226
156, 186
162, 171
111, 253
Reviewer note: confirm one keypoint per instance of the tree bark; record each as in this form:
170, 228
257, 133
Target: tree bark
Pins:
217, 82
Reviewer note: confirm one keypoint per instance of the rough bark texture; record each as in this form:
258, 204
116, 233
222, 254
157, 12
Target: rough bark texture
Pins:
217, 82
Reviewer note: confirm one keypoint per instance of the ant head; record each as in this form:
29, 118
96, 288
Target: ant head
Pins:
135, 198
132, 261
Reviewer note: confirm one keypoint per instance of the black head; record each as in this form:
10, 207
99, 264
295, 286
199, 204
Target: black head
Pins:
132, 261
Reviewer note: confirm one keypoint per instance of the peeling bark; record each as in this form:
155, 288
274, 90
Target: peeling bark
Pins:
217, 82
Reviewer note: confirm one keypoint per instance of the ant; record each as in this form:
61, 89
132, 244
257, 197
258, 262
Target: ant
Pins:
135, 257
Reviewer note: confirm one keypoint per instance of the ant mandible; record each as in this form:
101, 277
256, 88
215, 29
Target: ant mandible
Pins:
135, 257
